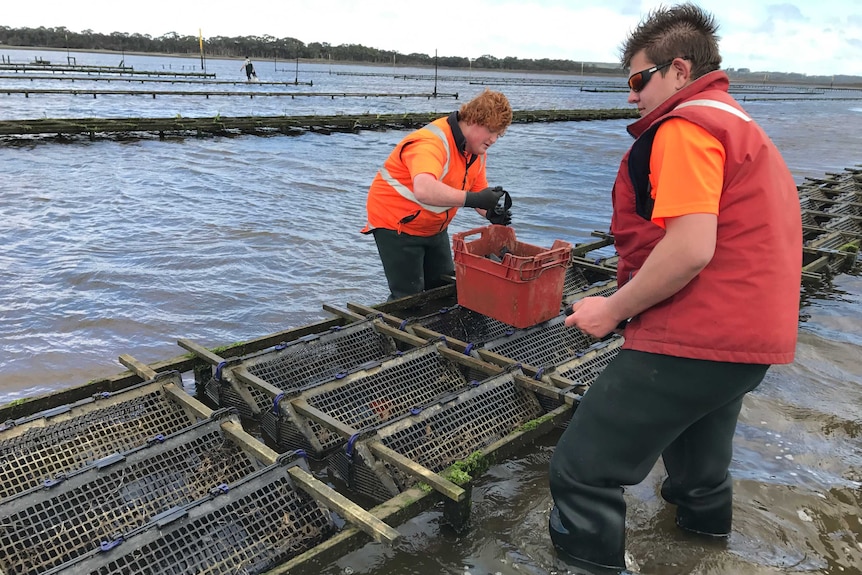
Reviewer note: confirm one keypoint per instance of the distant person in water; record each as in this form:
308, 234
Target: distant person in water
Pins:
249, 69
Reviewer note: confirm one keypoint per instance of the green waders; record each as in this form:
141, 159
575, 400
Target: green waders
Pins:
414, 263
643, 406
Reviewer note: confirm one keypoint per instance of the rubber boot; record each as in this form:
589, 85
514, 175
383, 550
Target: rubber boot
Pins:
579, 552
706, 511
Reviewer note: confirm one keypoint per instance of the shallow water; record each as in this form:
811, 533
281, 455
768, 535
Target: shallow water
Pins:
124, 247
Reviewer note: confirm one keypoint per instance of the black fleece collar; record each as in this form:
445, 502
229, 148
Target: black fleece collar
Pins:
460, 140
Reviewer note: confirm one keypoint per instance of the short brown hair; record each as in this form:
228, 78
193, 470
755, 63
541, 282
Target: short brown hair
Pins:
683, 31
489, 109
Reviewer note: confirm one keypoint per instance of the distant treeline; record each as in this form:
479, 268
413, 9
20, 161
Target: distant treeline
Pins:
268, 47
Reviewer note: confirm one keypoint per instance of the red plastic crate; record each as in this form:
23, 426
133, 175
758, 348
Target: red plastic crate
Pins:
523, 289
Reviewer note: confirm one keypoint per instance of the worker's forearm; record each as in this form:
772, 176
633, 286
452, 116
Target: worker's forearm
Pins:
433, 192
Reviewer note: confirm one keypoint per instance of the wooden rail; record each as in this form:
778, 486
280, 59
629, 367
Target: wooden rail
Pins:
75, 69
148, 80
27, 92
96, 128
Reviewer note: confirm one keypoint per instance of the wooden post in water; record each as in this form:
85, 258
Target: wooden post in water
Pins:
201, 40
435, 72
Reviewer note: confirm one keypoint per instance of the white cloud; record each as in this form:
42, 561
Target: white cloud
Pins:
815, 38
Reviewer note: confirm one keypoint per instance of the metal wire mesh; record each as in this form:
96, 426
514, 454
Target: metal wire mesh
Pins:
230, 393
43, 528
260, 522
808, 219
463, 324
371, 396
808, 203
447, 431
845, 209
319, 358
846, 224
542, 346
824, 192
575, 280
37, 450
301, 364
584, 370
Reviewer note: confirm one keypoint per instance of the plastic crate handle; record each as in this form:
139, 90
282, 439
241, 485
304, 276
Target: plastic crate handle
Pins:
458, 243
547, 260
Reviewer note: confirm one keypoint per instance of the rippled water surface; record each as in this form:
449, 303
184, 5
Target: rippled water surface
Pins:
124, 247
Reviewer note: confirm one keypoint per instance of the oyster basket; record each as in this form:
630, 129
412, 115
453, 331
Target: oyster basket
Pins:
575, 280
542, 346
251, 382
839, 253
48, 526
583, 369
367, 397
37, 448
849, 225
460, 323
257, 523
438, 435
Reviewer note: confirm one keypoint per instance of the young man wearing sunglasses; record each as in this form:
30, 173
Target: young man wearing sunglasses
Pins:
707, 226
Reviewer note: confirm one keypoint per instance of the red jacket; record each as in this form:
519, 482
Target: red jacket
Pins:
743, 307
391, 203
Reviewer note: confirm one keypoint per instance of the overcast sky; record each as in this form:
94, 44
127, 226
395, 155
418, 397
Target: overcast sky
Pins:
815, 37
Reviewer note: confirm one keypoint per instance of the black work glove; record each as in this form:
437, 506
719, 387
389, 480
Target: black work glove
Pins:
485, 199
503, 219
501, 213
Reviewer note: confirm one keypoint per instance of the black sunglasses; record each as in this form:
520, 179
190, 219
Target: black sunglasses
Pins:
638, 80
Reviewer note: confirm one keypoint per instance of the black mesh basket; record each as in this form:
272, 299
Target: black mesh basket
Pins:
848, 225
542, 346
437, 436
575, 280
365, 398
462, 324
831, 245
257, 523
601, 288
37, 448
45, 527
583, 369
252, 382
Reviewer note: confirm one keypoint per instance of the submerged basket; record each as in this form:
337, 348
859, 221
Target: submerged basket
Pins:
37, 448
542, 346
250, 527
463, 324
45, 527
368, 397
250, 383
437, 436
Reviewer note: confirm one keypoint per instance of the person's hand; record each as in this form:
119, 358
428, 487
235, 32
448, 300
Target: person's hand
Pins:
485, 199
593, 316
503, 218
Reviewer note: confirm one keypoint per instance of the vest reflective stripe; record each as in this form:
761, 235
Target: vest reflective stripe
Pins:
439, 133
404, 190
717, 105
406, 193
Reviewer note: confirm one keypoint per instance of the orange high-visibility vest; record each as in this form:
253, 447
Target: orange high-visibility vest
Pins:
391, 203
